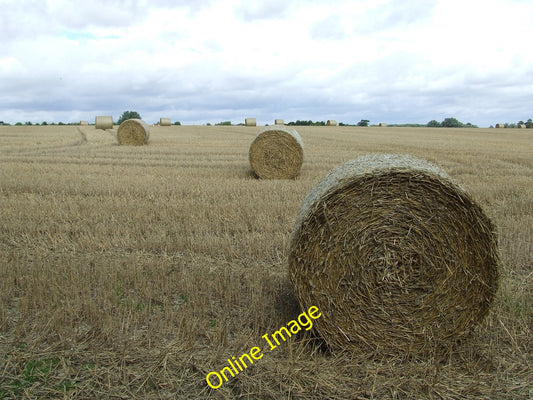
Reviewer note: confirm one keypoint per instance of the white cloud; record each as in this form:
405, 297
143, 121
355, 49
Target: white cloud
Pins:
385, 59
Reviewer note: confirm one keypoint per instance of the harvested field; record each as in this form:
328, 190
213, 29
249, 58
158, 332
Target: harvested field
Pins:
134, 271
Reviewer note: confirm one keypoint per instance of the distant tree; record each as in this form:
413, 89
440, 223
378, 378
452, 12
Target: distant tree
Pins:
18, 124
128, 115
224, 123
363, 122
44, 123
433, 124
451, 123
61, 123
529, 124
177, 123
27, 123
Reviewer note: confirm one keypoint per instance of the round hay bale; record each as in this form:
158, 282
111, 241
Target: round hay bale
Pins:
279, 122
398, 258
250, 122
84, 122
500, 125
331, 122
165, 122
133, 132
382, 124
277, 153
103, 122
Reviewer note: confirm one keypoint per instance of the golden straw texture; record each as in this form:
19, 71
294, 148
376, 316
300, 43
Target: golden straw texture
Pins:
250, 122
133, 132
398, 258
277, 153
331, 122
103, 122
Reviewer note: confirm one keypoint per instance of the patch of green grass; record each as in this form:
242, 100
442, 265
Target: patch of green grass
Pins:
38, 371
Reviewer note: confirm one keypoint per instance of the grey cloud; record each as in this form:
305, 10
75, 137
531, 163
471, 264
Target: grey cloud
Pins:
330, 27
395, 14
257, 10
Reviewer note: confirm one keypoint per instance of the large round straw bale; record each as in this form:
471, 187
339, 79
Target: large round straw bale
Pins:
84, 122
103, 122
250, 122
133, 132
279, 122
382, 124
277, 152
500, 125
398, 258
331, 122
164, 122
522, 126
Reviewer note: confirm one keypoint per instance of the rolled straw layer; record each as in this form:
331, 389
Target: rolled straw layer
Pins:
398, 258
276, 153
103, 122
133, 132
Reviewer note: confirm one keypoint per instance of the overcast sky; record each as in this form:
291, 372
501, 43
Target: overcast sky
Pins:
203, 61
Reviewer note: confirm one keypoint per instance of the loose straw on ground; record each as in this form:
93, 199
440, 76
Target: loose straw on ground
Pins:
399, 259
103, 122
277, 153
133, 132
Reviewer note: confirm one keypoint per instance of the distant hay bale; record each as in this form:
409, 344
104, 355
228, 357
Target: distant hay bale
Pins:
382, 124
103, 122
84, 122
133, 132
165, 122
522, 126
332, 122
277, 153
500, 126
250, 122
279, 122
398, 258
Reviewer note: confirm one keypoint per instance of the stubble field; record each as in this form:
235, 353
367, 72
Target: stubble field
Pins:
132, 272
